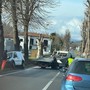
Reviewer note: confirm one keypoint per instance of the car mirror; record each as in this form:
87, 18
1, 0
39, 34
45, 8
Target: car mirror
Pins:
8, 57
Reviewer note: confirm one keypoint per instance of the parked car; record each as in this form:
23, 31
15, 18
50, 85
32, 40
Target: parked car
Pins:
16, 58
77, 77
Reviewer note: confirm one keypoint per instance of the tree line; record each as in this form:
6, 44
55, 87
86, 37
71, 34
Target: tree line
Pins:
26, 14
61, 42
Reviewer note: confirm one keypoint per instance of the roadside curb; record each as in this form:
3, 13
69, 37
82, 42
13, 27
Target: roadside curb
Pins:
8, 67
28, 64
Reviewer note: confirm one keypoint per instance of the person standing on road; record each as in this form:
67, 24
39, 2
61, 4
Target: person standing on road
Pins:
4, 59
70, 60
4, 56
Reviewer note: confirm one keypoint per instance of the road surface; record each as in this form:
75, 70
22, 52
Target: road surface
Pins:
31, 79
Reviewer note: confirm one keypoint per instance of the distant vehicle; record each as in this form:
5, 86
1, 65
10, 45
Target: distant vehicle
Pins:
16, 58
62, 56
47, 62
77, 77
60, 53
57, 61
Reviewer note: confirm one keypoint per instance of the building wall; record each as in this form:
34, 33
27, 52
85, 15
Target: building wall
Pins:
34, 45
9, 45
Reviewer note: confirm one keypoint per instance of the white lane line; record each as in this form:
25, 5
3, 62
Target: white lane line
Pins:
51, 81
16, 72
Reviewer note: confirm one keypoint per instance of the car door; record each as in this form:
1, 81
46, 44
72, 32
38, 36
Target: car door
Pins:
16, 59
9, 56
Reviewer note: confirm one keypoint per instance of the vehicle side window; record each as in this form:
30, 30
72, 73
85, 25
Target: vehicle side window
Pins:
15, 55
9, 55
87, 67
59, 53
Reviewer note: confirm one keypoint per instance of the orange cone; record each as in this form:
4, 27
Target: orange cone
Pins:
3, 64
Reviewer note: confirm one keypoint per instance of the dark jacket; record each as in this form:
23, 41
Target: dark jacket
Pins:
4, 56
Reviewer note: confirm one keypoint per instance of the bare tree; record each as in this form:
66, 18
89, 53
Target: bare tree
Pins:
1, 32
8, 30
84, 35
29, 13
10, 6
86, 30
57, 42
14, 17
32, 13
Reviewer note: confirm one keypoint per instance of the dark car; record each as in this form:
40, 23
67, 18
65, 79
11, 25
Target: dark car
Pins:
77, 77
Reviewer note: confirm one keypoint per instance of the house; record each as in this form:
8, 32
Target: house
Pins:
32, 42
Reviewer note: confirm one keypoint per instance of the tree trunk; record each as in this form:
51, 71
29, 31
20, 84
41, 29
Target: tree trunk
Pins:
89, 35
41, 52
14, 17
26, 42
1, 32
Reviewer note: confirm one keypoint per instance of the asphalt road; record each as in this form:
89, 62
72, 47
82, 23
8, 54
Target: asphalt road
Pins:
31, 79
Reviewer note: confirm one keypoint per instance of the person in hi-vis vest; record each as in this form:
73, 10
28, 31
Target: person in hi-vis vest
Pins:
70, 60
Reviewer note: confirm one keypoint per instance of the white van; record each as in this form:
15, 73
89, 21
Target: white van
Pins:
61, 53
16, 58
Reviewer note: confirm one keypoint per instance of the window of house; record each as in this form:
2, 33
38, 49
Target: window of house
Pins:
30, 47
45, 42
31, 41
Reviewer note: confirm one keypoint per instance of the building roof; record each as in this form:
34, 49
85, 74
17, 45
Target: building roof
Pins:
36, 35
29, 34
8, 36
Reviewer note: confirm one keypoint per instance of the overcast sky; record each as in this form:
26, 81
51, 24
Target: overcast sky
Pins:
69, 15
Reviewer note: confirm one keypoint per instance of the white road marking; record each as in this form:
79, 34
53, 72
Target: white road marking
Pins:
51, 81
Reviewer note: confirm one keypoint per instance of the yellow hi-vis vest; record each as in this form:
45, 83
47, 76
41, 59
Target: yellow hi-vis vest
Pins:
70, 60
